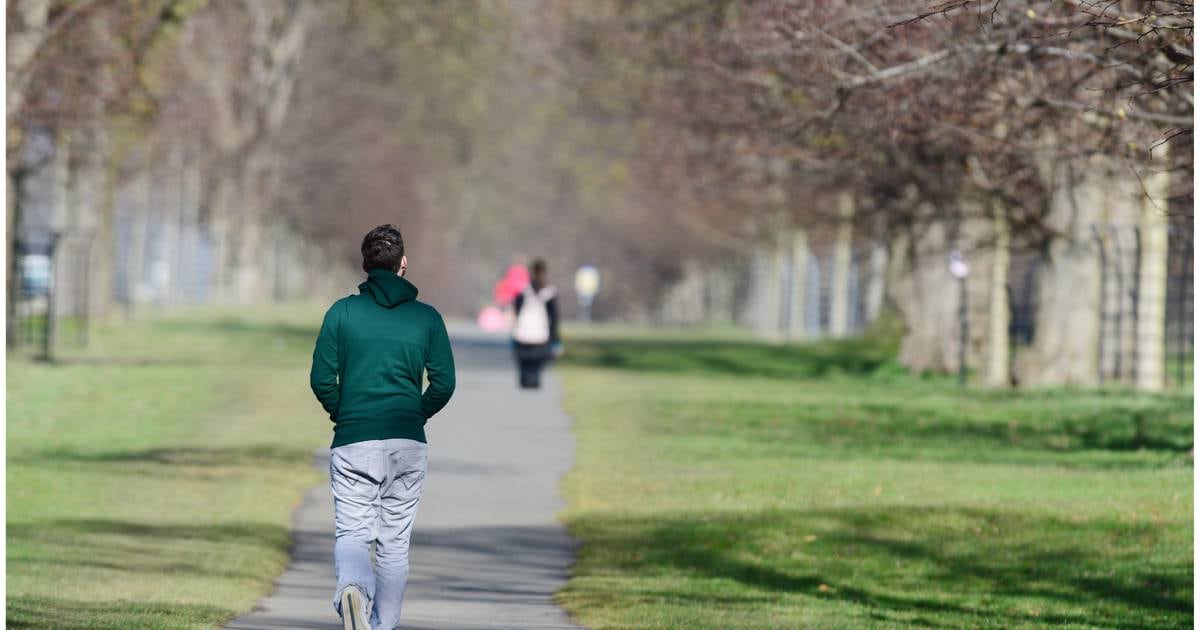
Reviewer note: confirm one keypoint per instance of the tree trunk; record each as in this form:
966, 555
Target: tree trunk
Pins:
839, 301
13, 281
876, 283
798, 290
1065, 349
997, 374
1152, 287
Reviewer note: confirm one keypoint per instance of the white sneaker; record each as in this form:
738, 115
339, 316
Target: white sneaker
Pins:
354, 609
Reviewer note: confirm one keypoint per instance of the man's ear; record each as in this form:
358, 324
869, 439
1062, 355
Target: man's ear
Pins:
403, 265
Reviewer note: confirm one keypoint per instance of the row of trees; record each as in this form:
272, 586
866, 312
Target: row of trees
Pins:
949, 126
140, 98
315, 121
754, 105
643, 137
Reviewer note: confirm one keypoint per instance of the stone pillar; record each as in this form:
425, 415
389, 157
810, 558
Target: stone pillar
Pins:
997, 374
876, 282
1152, 278
189, 252
219, 227
839, 303
720, 284
60, 218
683, 301
774, 304
797, 307
762, 308
139, 211
171, 211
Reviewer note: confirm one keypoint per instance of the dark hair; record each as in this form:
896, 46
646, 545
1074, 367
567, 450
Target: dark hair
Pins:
537, 273
382, 248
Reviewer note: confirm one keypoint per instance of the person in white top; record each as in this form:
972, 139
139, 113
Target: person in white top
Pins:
535, 329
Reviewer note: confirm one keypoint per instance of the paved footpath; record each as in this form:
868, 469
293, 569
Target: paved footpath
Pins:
487, 551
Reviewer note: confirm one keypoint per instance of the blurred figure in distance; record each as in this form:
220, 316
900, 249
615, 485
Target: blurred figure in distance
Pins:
535, 329
498, 315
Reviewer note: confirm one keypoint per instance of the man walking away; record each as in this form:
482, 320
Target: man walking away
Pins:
371, 354
535, 331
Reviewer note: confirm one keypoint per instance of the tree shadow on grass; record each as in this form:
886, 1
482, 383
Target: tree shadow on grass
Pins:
1153, 434
67, 614
130, 361
183, 460
113, 547
237, 326
253, 534
143, 565
855, 357
952, 566
267, 337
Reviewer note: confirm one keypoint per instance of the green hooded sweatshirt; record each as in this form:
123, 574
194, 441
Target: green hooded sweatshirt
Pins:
371, 353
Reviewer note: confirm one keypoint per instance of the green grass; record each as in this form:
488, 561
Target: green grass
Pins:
151, 477
731, 484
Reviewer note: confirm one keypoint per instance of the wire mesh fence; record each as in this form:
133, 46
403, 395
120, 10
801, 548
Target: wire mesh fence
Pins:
1179, 333
160, 261
54, 291
802, 296
1119, 249
1121, 338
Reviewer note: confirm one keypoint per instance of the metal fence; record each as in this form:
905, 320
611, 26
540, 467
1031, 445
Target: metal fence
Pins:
815, 317
1179, 353
53, 290
1120, 252
818, 316
1119, 248
161, 260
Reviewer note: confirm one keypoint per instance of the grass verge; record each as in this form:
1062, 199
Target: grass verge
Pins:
151, 477
739, 485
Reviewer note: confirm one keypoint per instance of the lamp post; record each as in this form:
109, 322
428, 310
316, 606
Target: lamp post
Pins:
50, 329
960, 270
587, 284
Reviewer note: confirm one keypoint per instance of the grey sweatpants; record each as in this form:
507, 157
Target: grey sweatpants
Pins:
376, 489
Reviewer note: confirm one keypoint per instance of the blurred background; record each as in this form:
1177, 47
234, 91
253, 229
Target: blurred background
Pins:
880, 313
797, 168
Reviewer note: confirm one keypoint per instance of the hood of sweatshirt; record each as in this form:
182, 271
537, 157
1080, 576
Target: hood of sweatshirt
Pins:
387, 288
